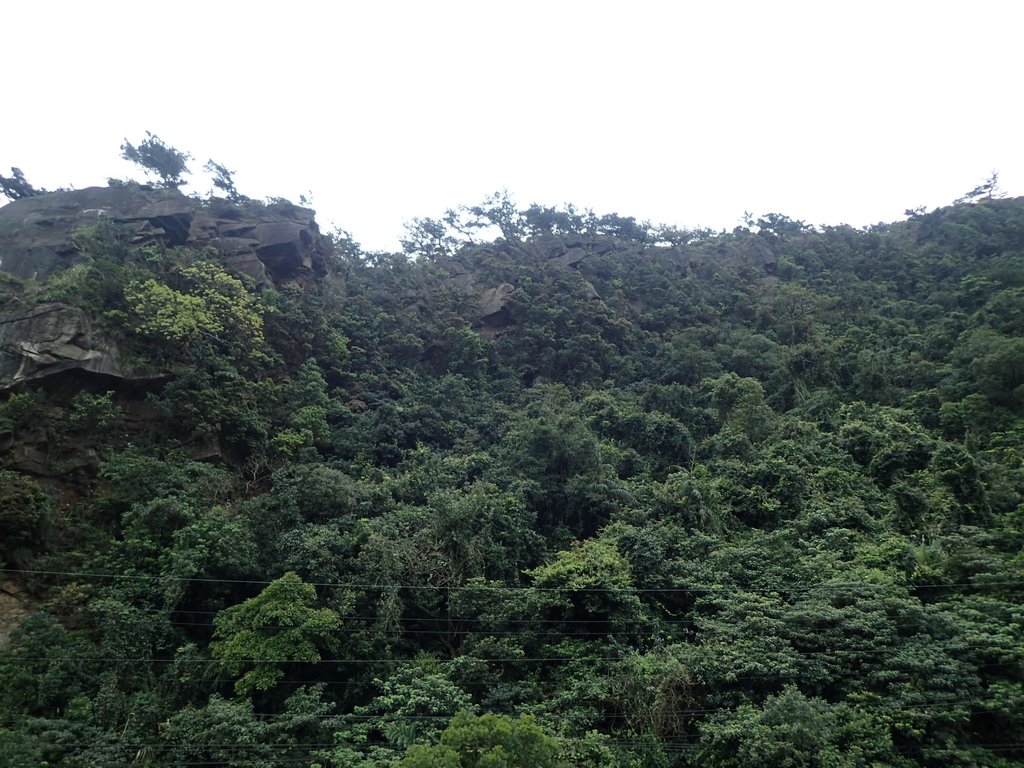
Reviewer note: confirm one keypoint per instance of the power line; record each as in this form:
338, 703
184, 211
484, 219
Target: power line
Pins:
929, 621
604, 715
994, 746
546, 631
509, 588
770, 676
539, 659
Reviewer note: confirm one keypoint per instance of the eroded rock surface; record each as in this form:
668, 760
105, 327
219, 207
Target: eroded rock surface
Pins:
276, 243
38, 234
48, 339
273, 243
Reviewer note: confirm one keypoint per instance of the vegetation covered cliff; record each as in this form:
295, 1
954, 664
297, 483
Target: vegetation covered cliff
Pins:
548, 488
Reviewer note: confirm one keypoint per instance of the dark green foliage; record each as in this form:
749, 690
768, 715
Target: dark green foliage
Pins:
790, 730
410, 707
45, 667
24, 517
156, 157
17, 186
223, 181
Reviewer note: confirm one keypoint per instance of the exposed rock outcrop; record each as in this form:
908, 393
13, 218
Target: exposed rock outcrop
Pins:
494, 302
702, 258
275, 243
571, 257
495, 314
48, 339
38, 234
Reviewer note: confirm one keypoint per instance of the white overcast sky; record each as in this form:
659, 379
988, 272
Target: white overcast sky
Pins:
686, 113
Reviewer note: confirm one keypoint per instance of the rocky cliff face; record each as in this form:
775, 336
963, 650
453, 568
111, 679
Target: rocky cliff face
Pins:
37, 234
276, 243
273, 244
49, 339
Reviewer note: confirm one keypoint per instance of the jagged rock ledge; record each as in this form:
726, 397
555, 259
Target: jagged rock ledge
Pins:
53, 344
273, 243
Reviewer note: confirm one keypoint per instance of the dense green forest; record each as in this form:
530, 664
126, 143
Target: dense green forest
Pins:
548, 488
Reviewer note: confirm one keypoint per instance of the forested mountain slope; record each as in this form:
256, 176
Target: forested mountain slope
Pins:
619, 495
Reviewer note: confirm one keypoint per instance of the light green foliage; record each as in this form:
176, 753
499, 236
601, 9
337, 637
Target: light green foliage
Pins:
210, 304
169, 314
96, 414
746, 417
467, 351
488, 741
254, 640
65, 284
97, 419
307, 423
593, 564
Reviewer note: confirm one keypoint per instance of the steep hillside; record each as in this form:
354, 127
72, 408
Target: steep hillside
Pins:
621, 495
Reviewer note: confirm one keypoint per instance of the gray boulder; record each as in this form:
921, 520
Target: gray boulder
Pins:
494, 315
494, 302
571, 257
